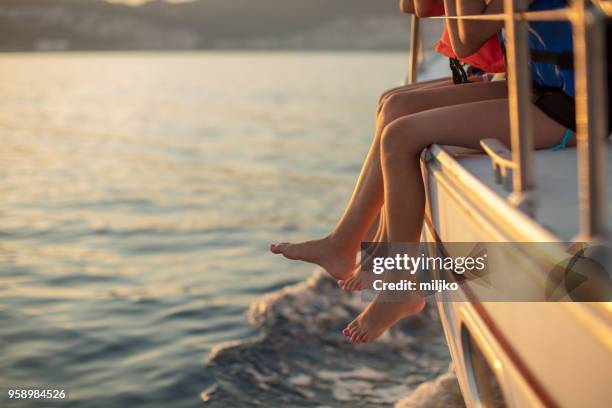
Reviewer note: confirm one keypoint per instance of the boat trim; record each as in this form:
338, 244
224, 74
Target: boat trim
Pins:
489, 202
595, 316
538, 389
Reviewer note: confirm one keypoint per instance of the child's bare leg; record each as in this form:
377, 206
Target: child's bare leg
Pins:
336, 253
402, 142
353, 283
372, 232
434, 83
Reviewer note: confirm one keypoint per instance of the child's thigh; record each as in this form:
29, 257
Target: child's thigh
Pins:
434, 83
465, 125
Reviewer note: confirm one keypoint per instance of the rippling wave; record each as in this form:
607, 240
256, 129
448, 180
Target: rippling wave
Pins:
301, 357
138, 195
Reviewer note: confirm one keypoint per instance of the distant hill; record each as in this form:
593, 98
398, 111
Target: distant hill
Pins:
203, 24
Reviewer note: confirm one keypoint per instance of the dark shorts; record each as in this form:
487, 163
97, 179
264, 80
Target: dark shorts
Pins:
556, 104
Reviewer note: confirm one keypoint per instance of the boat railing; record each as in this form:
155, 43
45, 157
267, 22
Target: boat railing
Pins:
588, 25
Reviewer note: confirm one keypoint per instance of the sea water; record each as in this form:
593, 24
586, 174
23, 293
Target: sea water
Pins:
138, 193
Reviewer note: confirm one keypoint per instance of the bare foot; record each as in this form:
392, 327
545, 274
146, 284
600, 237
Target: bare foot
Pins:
337, 261
353, 283
378, 317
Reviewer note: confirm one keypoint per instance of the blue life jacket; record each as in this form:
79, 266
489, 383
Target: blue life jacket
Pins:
551, 47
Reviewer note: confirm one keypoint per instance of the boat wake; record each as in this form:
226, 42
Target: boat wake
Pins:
301, 357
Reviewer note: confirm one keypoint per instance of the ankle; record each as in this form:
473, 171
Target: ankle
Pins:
342, 245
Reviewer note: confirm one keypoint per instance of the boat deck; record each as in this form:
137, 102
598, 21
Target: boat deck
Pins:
556, 187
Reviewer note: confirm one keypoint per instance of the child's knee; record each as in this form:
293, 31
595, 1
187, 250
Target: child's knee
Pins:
396, 140
385, 95
395, 106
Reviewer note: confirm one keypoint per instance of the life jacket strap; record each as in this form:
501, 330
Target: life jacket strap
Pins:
459, 74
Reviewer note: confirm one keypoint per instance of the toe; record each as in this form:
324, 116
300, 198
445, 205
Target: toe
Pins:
350, 333
349, 329
277, 248
362, 338
356, 285
284, 248
345, 284
356, 334
352, 325
347, 334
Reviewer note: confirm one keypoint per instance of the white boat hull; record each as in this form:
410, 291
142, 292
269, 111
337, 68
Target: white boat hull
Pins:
517, 354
